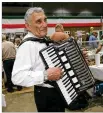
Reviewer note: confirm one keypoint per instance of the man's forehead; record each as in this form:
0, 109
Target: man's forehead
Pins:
40, 15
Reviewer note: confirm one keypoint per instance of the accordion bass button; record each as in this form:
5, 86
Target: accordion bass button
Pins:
77, 86
83, 82
66, 49
60, 52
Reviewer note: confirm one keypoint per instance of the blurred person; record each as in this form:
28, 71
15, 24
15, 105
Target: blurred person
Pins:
59, 28
17, 42
70, 35
8, 57
100, 47
93, 40
29, 69
91, 30
87, 38
59, 34
12, 35
79, 40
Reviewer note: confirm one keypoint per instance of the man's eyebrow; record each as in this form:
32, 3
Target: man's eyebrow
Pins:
38, 19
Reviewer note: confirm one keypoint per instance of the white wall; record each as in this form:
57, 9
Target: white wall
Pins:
51, 30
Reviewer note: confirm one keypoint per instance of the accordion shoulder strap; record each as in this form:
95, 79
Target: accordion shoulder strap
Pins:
44, 40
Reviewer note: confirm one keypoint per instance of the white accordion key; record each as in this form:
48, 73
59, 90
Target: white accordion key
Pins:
45, 55
61, 52
51, 65
53, 56
48, 61
63, 58
71, 73
74, 80
52, 53
67, 66
77, 86
50, 50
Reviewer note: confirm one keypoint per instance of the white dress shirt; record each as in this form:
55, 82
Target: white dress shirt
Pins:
28, 66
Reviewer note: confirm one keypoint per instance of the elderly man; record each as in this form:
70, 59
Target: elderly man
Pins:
29, 69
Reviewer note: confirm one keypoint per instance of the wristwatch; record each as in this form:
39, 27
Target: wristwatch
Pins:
45, 75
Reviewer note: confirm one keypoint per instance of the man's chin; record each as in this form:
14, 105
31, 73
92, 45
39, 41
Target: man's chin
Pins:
43, 35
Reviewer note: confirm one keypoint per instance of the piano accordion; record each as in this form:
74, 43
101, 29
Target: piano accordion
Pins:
77, 76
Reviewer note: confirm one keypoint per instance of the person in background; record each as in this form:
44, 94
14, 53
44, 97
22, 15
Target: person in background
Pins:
17, 42
59, 28
87, 38
58, 36
79, 40
93, 40
8, 57
70, 35
29, 69
100, 47
12, 35
59, 31
91, 30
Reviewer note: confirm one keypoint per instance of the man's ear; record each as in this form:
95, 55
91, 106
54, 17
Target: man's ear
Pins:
28, 26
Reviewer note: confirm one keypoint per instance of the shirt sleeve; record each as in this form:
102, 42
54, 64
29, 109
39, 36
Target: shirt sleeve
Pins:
23, 73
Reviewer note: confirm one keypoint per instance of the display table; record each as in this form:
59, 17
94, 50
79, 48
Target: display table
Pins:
91, 55
101, 53
97, 71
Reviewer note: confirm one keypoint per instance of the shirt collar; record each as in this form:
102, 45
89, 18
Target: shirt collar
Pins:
29, 35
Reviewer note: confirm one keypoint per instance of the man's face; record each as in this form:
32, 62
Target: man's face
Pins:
38, 24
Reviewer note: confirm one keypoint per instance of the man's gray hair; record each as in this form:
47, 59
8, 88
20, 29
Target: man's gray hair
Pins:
32, 10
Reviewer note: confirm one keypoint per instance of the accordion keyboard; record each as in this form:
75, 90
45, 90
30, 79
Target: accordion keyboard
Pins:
76, 74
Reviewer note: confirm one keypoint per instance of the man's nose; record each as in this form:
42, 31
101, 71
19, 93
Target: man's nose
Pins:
44, 24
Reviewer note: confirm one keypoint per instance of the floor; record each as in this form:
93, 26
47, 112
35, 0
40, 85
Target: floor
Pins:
23, 101
20, 101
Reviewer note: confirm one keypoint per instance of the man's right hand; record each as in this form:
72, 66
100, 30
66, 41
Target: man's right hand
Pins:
54, 73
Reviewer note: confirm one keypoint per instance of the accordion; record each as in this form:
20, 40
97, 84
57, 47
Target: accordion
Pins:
77, 76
